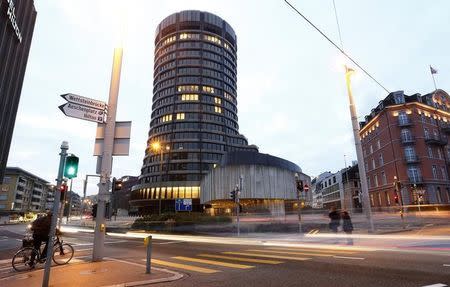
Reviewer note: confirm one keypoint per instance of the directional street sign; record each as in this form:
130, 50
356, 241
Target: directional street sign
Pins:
183, 204
76, 99
83, 112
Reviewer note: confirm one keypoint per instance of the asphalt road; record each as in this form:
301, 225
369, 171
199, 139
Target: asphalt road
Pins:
213, 264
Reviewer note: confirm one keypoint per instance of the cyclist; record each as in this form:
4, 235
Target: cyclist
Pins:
41, 230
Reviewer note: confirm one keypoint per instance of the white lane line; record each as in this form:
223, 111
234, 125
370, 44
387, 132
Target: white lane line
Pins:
436, 285
90, 244
85, 249
5, 261
5, 268
348, 257
170, 242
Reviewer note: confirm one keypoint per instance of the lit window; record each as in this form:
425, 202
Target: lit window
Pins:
166, 118
195, 192
212, 39
189, 97
191, 88
187, 36
226, 46
218, 109
208, 89
180, 116
217, 100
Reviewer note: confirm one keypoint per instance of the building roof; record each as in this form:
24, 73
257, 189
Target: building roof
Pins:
17, 170
427, 99
256, 158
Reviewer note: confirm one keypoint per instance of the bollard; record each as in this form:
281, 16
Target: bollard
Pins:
148, 243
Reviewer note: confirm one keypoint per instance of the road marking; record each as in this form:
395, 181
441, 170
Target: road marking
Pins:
5, 268
436, 285
347, 257
5, 261
85, 249
290, 252
170, 242
184, 266
446, 265
90, 244
331, 251
212, 262
267, 255
253, 260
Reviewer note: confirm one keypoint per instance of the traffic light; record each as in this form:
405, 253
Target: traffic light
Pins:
117, 184
233, 194
62, 190
94, 211
71, 166
299, 185
396, 198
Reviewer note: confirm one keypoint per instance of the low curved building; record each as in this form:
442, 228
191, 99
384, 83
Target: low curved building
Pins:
268, 184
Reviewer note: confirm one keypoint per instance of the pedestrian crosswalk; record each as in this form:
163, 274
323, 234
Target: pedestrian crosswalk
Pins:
245, 259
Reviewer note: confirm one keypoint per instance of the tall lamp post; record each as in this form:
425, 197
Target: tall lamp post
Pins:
359, 153
157, 147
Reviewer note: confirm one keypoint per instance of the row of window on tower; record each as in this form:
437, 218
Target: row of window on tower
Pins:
195, 37
173, 177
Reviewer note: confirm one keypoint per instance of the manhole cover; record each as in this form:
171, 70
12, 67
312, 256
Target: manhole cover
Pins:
89, 272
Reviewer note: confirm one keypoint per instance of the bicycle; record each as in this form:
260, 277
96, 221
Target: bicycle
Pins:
22, 260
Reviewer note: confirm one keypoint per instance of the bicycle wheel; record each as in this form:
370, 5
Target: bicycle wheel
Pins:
62, 253
25, 259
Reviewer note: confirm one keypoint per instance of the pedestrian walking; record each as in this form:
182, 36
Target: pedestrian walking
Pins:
347, 226
335, 219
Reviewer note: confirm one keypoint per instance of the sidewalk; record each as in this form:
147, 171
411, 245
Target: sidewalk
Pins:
110, 272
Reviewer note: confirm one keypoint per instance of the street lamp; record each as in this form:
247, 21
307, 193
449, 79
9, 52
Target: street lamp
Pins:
157, 147
359, 154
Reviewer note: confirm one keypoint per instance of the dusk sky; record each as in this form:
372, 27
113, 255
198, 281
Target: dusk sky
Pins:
292, 100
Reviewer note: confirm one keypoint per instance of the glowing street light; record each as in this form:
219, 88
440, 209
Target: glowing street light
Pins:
359, 154
157, 147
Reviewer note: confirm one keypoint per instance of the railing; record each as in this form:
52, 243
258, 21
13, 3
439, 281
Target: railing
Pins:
435, 139
408, 140
412, 159
404, 122
415, 179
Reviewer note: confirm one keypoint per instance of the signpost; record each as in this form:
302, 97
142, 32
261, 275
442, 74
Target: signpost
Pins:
83, 112
91, 103
183, 204
107, 146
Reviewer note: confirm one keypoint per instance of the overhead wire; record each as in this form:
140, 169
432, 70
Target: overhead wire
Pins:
336, 46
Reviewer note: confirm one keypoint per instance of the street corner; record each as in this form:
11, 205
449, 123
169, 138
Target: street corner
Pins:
111, 272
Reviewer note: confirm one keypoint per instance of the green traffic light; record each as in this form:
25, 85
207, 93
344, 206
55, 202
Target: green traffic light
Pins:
71, 166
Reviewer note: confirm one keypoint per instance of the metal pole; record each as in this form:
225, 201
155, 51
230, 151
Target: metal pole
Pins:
70, 201
299, 211
83, 203
57, 196
161, 173
359, 153
63, 205
106, 167
148, 266
237, 206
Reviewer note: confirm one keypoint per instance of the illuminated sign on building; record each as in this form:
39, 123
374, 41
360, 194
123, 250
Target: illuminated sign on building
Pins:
12, 18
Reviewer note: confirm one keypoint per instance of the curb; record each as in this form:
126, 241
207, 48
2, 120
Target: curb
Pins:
175, 275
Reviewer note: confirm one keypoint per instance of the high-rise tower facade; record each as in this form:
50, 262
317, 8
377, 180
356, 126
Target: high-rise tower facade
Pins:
194, 112
17, 19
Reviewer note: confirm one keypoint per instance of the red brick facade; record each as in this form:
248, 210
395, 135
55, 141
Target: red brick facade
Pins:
406, 136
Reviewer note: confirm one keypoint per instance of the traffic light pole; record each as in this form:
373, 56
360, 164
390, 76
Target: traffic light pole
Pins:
59, 179
238, 205
106, 167
70, 201
83, 205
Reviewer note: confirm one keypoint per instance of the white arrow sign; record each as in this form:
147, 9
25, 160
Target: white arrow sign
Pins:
76, 99
83, 112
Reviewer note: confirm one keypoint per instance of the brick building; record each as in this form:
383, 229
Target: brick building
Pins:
406, 136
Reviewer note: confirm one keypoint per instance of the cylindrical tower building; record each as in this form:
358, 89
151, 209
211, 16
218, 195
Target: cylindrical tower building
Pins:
194, 112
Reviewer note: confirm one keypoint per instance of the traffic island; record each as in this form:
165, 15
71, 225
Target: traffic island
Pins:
110, 272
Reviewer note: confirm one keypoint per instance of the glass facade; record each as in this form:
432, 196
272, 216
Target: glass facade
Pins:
194, 111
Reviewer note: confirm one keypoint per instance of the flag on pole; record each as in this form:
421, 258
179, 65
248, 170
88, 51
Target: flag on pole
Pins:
433, 70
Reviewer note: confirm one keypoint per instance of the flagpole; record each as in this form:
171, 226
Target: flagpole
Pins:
432, 76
